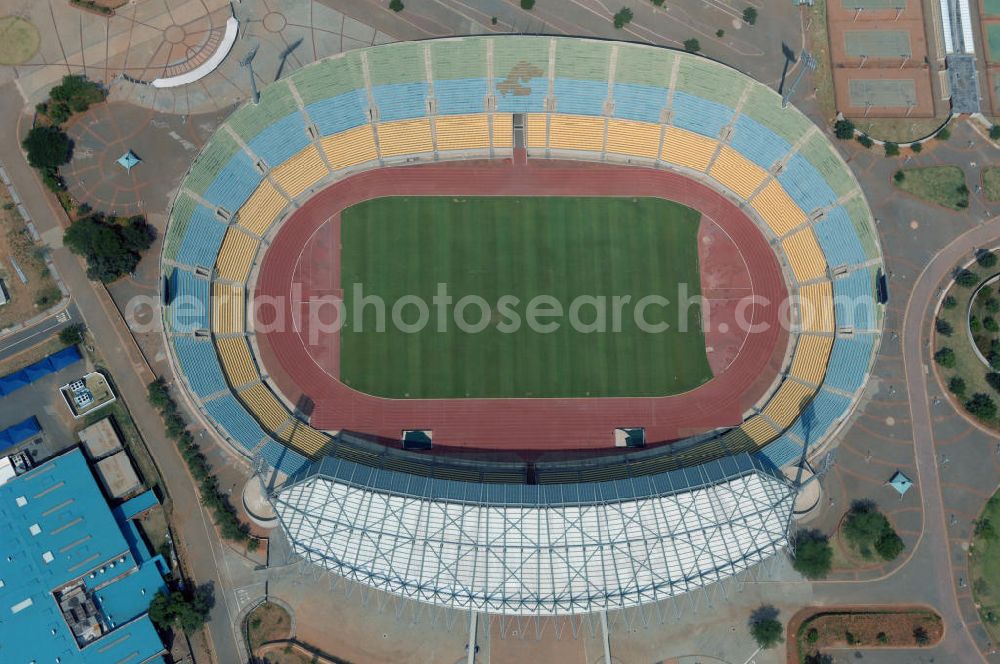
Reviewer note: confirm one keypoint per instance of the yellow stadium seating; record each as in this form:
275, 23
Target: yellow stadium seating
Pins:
804, 255
307, 440
639, 139
462, 132
759, 430
227, 308
573, 132
811, 355
404, 137
688, 149
265, 406
816, 307
236, 255
261, 209
737, 172
786, 405
779, 211
301, 171
737, 440
349, 148
236, 361
536, 130
503, 130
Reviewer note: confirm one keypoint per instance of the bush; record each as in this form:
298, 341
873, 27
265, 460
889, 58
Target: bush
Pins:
916, 147
882, 638
720, 33
984, 528
843, 129
949, 302
992, 305
658, 3
750, 15
899, 176
891, 149
995, 132
944, 134
72, 335
957, 386
966, 278
984, 257
981, 406
812, 636
974, 324
943, 327
47, 147
945, 357
990, 324
692, 45
527, 5
765, 628
396, 5
866, 141
813, 554
920, 636
623, 17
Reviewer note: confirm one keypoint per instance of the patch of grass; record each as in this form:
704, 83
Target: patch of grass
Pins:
501, 247
943, 185
19, 40
991, 183
268, 622
819, 45
899, 130
984, 566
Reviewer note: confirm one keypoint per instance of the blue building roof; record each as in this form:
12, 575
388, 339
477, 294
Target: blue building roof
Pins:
58, 531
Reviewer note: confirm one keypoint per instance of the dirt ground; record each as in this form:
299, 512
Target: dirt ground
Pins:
16, 243
268, 622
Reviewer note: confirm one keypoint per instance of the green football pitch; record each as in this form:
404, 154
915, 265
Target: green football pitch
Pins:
500, 248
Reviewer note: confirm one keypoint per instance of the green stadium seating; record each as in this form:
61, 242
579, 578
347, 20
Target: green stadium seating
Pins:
583, 60
819, 153
213, 158
329, 78
712, 81
764, 106
397, 63
458, 58
276, 101
644, 66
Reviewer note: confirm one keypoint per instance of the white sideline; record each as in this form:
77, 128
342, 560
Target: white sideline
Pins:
208, 66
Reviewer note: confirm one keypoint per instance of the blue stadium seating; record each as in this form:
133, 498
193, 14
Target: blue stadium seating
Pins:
282, 140
237, 422
782, 451
283, 459
699, 115
642, 103
805, 185
854, 300
340, 113
758, 143
188, 302
580, 97
400, 101
461, 96
531, 101
202, 239
234, 183
849, 362
838, 239
200, 364
819, 416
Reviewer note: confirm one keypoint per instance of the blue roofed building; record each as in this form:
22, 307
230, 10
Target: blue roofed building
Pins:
75, 579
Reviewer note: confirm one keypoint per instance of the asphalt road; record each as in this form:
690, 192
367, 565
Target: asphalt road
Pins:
23, 339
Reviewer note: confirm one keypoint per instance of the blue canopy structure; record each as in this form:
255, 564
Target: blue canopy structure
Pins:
901, 483
48, 365
19, 432
128, 160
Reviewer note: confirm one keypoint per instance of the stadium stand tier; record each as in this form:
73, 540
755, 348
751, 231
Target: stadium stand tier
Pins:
581, 99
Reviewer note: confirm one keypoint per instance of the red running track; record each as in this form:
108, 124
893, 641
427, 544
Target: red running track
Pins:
735, 259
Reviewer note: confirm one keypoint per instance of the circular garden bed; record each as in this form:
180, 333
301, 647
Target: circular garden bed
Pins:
818, 630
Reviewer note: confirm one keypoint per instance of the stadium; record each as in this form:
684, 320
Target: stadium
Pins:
528, 474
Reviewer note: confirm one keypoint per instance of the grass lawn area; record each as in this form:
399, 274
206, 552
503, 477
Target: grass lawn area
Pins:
991, 183
984, 568
19, 40
944, 185
494, 247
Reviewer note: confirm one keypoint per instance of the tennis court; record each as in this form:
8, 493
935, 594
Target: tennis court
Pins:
878, 43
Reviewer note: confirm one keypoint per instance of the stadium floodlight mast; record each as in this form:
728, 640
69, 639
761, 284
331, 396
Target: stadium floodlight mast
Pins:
247, 62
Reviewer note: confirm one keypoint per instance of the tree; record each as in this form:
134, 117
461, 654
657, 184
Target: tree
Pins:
72, 335
813, 554
995, 132
111, 250
720, 33
916, 147
187, 612
889, 546
920, 636
658, 3
944, 134
984, 528
956, 385
891, 149
943, 327
396, 5
965, 278
843, 129
866, 141
47, 147
623, 17
949, 302
750, 15
945, 357
765, 628
990, 324
869, 530
985, 257
527, 5
692, 45
77, 92
981, 406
